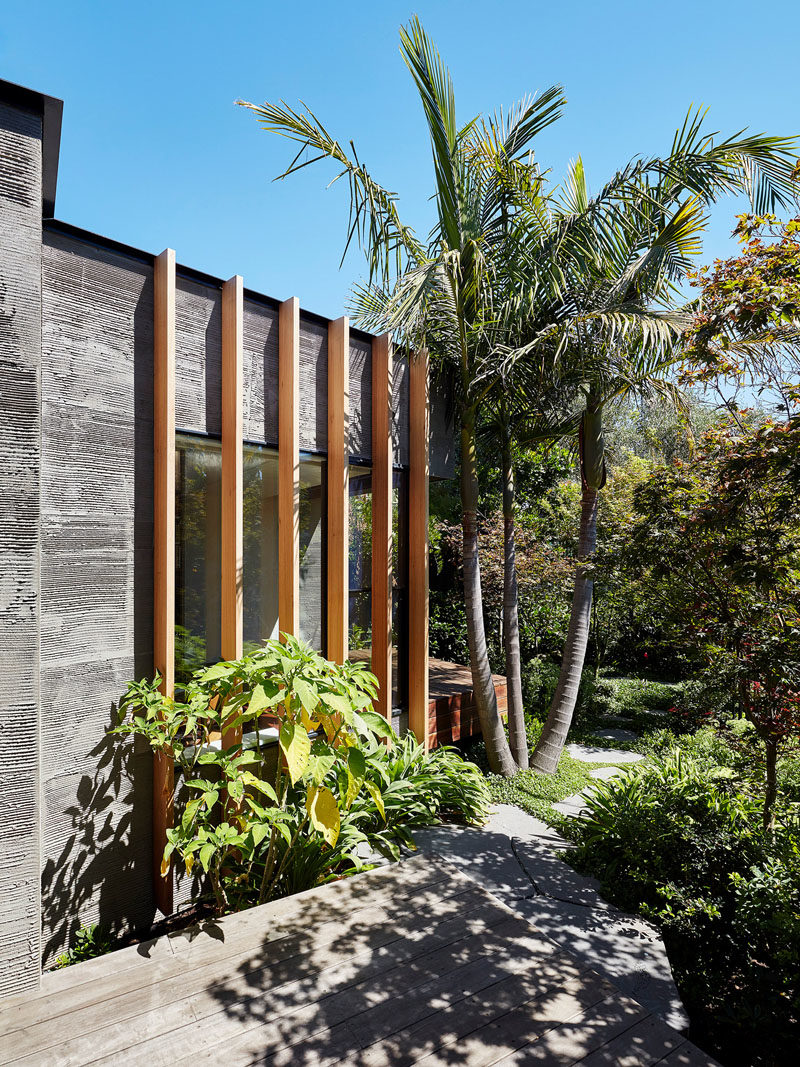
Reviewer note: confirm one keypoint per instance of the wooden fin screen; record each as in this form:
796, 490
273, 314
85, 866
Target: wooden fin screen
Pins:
418, 477
338, 613
163, 547
230, 530
232, 477
289, 466
382, 521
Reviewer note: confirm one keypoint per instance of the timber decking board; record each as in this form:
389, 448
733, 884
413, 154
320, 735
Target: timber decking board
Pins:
412, 963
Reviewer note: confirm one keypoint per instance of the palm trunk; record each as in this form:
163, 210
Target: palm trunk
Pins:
516, 713
499, 754
559, 719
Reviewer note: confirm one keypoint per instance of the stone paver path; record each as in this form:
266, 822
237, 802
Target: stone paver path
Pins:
514, 857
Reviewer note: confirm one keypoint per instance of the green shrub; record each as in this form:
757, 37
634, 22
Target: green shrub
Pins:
89, 942
539, 681
679, 838
261, 827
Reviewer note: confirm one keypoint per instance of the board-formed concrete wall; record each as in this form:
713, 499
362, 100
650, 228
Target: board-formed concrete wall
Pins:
97, 585
76, 539
20, 355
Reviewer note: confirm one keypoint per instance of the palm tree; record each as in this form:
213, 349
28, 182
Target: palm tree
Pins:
624, 335
438, 294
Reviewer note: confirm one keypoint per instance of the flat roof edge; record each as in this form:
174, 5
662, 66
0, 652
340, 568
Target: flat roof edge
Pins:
51, 110
53, 225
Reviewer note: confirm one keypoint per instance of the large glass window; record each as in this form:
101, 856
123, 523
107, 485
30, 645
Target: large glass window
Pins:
197, 554
360, 564
260, 544
313, 552
399, 589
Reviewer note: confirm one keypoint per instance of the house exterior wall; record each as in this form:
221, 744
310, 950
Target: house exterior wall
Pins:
76, 540
97, 584
20, 355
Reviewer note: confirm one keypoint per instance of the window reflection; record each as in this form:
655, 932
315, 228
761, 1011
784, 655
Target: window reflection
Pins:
360, 564
260, 546
197, 554
313, 552
399, 589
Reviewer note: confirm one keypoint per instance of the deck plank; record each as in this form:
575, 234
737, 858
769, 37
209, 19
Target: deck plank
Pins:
410, 964
197, 984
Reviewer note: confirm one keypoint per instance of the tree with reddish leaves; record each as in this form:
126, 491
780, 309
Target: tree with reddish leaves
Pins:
721, 537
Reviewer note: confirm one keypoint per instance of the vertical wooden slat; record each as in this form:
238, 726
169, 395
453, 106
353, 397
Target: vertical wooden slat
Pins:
163, 547
232, 476
382, 521
289, 466
418, 476
338, 488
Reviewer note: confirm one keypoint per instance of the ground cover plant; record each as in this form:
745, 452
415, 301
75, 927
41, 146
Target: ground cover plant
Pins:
258, 822
679, 838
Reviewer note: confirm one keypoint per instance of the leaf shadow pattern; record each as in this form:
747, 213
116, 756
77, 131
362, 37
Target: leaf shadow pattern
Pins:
445, 971
102, 871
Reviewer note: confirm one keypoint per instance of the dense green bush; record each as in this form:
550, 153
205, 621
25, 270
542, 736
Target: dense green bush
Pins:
539, 681
261, 824
679, 838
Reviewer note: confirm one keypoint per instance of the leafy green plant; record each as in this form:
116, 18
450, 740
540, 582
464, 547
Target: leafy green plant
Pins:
89, 941
238, 820
261, 825
679, 838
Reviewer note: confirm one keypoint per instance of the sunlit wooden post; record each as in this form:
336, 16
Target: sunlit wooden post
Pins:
418, 478
163, 548
232, 477
338, 488
289, 466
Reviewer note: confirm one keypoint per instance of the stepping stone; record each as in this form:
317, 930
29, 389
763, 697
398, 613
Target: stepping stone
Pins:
513, 856
571, 806
514, 822
553, 877
595, 754
604, 773
615, 734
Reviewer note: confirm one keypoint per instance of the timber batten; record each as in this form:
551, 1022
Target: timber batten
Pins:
289, 466
163, 548
338, 593
418, 476
232, 495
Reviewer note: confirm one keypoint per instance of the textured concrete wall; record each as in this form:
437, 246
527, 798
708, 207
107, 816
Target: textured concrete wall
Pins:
20, 356
97, 540
97, 581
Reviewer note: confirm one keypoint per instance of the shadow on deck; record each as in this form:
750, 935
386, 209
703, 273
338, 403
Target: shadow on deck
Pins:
410, 964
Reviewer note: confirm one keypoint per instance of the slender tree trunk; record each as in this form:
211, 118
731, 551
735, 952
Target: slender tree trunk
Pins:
499, 754
516, 714
554, 735
771, 792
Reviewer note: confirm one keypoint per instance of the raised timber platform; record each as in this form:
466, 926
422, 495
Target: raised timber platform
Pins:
452, 715
413, 963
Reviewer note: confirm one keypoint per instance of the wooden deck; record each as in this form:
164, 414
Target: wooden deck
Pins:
452, 715
413, 963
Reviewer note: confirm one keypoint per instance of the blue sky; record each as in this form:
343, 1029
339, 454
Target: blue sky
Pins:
155, 153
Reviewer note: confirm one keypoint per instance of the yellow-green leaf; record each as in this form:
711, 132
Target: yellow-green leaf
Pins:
258, 701
356, 769
375, 793
323, 812
296, 746
306, 694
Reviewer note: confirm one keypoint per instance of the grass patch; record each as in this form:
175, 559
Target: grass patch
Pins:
536, 793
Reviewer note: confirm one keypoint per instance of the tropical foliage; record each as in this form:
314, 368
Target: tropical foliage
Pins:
679, 839
263, 821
